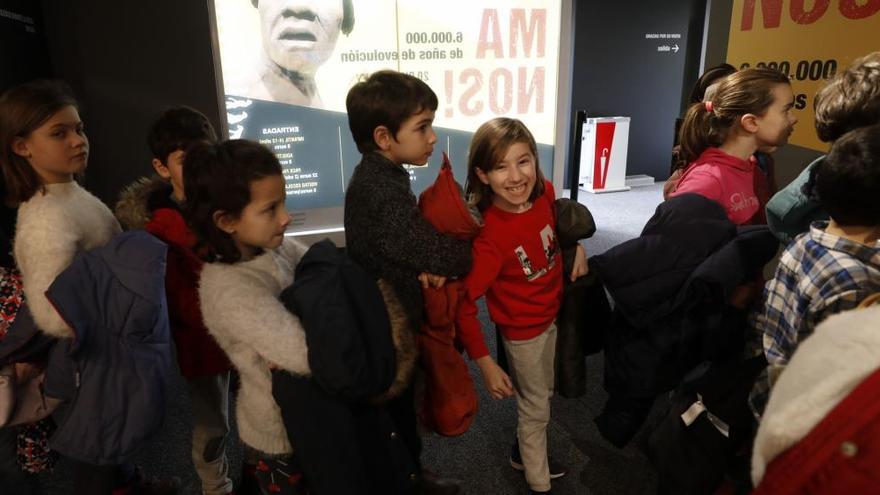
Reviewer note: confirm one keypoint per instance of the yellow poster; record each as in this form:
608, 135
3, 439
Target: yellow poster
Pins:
809, 40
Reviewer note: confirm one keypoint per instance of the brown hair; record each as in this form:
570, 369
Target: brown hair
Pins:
24, 109
713, 75
488, 147
385, 98
850, 100
743, 92
217, 177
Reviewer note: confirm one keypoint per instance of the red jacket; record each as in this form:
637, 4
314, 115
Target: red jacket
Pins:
148, 205
820, 432
840, 455
450, 402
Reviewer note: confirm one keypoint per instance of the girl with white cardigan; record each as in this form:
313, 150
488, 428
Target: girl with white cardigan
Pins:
44, 146
235, 204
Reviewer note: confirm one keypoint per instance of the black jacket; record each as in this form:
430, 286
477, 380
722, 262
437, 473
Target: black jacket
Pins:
386, 234
584, 312
360, 354
670, 288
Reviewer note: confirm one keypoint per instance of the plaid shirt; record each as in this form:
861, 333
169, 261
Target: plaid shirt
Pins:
818, 275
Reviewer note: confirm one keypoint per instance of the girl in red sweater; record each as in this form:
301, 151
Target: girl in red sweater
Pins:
517, 265
751, 109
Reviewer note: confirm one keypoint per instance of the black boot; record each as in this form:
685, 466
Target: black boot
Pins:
431, 484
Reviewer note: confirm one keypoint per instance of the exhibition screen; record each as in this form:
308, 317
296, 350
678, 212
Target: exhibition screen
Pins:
286, 68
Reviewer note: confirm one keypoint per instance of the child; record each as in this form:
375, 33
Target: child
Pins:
832, 267
44, 148
235, 204
751, 109
849, 101
390, 116
155, 205
518, 266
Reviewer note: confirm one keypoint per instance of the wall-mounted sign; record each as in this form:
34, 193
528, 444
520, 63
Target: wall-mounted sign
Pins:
808, 41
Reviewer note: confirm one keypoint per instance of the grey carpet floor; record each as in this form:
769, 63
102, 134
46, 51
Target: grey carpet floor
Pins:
479, 458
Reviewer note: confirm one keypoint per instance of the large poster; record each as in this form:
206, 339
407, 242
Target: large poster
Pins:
808, 40
288, 65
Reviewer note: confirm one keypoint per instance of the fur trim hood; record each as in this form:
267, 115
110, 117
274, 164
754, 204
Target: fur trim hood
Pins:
133, 210
826, 367
405, 348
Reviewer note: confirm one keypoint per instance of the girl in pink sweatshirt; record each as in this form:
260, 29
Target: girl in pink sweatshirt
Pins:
751, 109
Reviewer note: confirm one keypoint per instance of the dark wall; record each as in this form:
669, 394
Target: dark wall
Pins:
126, 61
617, 71
23, 55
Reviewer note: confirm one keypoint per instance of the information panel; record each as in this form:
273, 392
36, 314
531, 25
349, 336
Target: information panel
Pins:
287, 67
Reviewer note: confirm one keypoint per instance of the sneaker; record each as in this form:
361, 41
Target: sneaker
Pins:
556, 469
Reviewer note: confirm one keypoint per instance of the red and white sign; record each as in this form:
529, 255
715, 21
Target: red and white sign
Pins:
604, 143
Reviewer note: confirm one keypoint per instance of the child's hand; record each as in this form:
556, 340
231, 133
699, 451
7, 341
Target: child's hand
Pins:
497, 382
431, 280
580, 266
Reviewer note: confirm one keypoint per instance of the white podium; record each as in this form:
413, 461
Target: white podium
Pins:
604, 141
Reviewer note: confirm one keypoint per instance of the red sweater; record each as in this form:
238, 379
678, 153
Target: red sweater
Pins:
727, 180
197, 352
517, 265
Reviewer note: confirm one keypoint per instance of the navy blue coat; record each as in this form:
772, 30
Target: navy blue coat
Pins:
345, 439
670, 288
117, 366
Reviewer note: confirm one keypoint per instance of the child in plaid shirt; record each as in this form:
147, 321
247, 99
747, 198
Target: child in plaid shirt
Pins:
832, 267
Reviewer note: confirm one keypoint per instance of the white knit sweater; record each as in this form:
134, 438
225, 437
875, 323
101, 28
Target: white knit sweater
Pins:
52, 227
241, 309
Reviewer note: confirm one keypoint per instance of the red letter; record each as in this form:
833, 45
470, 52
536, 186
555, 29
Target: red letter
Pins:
506, 93
852, 10
470, 92
800, 16
537, 25
490, 19
771, 11
535, 89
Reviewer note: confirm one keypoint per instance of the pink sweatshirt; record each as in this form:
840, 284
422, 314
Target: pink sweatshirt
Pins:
726, 179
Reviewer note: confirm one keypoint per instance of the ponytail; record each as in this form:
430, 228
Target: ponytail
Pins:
707, 124
700, 129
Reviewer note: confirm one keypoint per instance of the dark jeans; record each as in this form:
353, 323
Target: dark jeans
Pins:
91, 479
402, 410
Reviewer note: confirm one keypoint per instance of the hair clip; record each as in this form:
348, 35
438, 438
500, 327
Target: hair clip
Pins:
709, 106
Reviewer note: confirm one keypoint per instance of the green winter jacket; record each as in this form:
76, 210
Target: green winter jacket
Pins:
790, 212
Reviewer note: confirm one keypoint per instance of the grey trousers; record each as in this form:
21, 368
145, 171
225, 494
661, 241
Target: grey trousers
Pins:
209, 396
531, 370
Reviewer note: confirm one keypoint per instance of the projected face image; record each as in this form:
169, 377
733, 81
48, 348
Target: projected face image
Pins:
296, 38
299, 35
